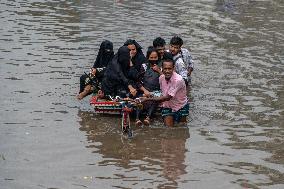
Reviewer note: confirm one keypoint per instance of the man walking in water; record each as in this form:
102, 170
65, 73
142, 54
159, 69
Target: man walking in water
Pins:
174, 98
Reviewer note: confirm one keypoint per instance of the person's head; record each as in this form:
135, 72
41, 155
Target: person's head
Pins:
168, 66
133, 50
133, 46
123, 55
159, 43
105, 54
175, 45
107, 47
152, 55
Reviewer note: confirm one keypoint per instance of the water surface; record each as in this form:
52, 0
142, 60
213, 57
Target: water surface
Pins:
234, 135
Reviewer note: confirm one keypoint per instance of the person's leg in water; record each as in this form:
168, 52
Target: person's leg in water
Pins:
180, 115
169, 121
168, 116
150, 110
82, 82
87, 91
138, 122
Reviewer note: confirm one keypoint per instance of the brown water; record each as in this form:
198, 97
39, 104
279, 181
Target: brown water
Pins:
234, 137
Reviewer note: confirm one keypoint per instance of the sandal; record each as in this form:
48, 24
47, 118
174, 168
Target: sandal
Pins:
138, 123
146, 121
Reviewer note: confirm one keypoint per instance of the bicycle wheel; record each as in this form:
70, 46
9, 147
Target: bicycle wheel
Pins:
125, 124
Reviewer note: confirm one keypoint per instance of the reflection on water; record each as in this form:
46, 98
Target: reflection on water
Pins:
236, 116
156, 151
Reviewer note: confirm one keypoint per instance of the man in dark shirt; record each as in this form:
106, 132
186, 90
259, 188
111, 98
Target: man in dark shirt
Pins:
160, 45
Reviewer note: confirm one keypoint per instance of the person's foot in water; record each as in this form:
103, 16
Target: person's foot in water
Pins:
138, 123
147, 121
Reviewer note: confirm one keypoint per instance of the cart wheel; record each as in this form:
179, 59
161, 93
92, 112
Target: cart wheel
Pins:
129, 132
124, 130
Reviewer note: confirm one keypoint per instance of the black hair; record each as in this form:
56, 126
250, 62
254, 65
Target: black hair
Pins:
176, 40
168, 55
159, 42
132, 42
150, 50
168, 60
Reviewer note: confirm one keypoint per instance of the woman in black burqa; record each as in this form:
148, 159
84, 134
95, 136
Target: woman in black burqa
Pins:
137, 60
104, 56
119, 78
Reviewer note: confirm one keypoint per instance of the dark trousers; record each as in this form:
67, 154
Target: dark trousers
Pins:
82, 82
148, 107
114, 88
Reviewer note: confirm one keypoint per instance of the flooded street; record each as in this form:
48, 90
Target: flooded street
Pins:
235, 132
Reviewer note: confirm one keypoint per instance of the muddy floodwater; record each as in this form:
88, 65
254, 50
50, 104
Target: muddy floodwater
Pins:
234, 137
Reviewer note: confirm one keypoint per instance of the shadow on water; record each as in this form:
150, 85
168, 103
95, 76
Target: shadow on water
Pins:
157, 151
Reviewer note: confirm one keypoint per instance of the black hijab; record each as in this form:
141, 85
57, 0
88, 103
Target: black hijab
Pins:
117, 70
123, 59
105, 54
133, 42
139, 58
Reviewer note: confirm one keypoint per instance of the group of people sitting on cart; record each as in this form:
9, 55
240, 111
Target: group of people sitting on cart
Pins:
159, 79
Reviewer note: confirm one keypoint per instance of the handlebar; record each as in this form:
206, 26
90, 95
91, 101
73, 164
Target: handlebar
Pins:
129, 101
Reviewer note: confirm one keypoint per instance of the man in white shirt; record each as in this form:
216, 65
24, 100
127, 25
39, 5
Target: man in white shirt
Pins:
182, 58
